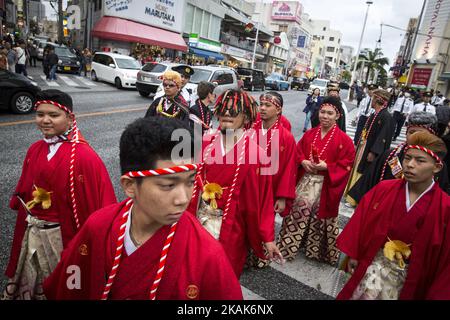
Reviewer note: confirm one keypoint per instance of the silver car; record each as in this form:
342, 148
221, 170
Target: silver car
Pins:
223, 77
149, 77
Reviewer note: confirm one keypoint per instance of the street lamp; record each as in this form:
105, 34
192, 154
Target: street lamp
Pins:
359, 46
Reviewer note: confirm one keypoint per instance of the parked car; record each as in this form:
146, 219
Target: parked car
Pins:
17, 91
299, 83
149, 77
67, 60
40, 46
319, 83
252, 78
115, 68
223, 77
276, 81
344, 85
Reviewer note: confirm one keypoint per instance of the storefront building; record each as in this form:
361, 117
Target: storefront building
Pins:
202, 21
144, 29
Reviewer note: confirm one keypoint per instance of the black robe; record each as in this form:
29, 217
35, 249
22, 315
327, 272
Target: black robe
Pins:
341, 121
379, 138
203, 112
179, 105
372, 176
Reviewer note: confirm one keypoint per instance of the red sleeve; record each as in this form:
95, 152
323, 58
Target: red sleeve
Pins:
72, 268
220, 281
349, 239
339, 171
302, 146
23, 183
256, 205
288, 168
266, 211
93, 187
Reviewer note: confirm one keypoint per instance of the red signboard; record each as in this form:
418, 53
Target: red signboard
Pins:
421, 77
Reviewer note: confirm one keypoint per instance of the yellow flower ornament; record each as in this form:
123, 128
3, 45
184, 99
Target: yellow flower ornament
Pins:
211, 192
397, 250
42, 196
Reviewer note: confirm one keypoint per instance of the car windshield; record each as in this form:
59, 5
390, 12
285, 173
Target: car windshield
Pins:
128, 64
200, 75
64, 52
319, 83
154, 67
244, 72
274, 77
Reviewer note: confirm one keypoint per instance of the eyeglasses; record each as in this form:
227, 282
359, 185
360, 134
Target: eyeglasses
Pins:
169, 85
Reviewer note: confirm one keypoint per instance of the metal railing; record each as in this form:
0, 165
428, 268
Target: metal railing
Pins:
243, 44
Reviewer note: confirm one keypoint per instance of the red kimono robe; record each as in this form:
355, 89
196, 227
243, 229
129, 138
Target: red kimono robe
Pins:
251, 218
283, 121
196, 266
381, 214
93, 190
339, 156
284, 180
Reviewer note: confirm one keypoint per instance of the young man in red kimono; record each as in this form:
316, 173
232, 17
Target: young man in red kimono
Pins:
53, 198
146, 247
279, 144
325, 154
398, 239
233, 194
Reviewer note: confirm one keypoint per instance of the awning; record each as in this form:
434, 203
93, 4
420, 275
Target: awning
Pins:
445, 76
240, 59
206, 54
113, 28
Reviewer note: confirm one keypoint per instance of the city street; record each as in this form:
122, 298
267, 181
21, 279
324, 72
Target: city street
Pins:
102, 113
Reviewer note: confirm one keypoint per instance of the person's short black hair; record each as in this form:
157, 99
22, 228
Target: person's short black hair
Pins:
335, 101
57, 96
204, 88
147, 140
276, 95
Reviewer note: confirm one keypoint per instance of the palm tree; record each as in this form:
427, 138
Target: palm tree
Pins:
373, 60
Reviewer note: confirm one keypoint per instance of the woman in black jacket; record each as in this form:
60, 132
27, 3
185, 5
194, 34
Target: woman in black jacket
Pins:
313, 103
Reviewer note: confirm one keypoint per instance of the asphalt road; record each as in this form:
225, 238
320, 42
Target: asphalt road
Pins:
102, 114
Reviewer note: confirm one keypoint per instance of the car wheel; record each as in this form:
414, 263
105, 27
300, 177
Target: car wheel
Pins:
22, 102
118, 83
94, 76
144, 94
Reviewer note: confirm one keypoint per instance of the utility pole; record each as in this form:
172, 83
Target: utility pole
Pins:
60, 22
359, 46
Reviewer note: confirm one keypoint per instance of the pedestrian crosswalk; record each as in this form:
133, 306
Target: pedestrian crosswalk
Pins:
64, 81
400, 139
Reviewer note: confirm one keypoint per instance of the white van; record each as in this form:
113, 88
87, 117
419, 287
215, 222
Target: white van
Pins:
115, 68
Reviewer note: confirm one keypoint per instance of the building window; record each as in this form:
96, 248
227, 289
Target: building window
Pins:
324, 29
189, 21
323, 37
330, 49
331, 39
205, 24
283, 28
339, 40
197, 26
214, 32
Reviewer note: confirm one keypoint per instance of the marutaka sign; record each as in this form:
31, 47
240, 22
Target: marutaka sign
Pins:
164, 14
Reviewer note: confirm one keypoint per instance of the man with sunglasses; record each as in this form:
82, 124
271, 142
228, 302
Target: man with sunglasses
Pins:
185, 72
171, 104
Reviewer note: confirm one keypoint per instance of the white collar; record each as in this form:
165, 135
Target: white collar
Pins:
130, 248
223, 146
408, 201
